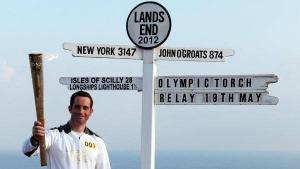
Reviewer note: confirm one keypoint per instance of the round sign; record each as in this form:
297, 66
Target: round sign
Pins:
148, 25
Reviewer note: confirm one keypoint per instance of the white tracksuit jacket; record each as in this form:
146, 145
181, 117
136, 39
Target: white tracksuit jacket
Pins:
67, 150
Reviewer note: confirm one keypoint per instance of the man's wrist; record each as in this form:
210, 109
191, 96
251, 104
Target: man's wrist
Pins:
34, 141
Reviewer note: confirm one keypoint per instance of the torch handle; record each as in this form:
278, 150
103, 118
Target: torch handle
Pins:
36, 65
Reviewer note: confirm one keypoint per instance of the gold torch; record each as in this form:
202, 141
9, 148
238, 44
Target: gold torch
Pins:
36, 65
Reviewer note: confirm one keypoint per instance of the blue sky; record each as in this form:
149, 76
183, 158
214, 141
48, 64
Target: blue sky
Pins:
264, 34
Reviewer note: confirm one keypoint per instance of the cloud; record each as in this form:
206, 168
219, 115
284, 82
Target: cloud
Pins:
6, 72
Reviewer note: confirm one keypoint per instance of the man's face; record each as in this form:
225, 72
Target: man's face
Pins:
80, 110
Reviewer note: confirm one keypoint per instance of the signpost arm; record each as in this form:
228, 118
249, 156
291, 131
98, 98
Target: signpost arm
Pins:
148, 112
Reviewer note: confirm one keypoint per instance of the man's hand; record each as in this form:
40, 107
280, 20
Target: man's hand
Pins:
37, 131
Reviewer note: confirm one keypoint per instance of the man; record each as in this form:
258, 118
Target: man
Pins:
73, 145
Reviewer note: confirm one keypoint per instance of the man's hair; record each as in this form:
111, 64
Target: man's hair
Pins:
82, 94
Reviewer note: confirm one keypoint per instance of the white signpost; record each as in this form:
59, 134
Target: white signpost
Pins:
215, 82
102, 83
193, 54
104, 51
161, 53
148, 26
212, 90
214, 97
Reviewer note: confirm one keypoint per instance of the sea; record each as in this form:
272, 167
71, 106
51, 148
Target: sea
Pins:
177, 160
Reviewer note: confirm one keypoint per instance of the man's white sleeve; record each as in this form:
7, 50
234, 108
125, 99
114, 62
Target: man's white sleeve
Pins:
103, 160
30, 150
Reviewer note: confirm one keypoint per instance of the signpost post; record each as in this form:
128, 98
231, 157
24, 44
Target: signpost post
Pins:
148, 26
148, 112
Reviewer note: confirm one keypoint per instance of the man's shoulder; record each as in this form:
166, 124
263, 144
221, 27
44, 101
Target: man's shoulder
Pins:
66, 128
91, 133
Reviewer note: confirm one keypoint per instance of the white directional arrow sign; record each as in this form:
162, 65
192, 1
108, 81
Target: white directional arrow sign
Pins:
219, 89
192, 54
102, 83
104, 51
161, 53
215, 97
215, 82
